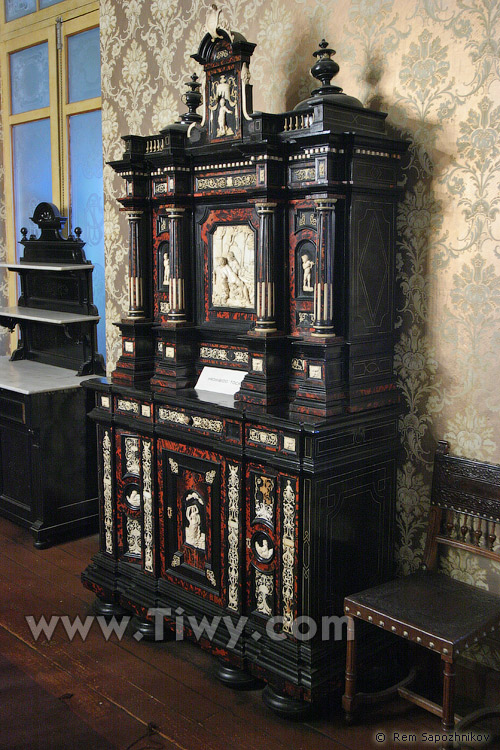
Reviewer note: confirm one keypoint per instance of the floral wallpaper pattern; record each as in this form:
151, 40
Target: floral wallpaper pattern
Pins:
434, 66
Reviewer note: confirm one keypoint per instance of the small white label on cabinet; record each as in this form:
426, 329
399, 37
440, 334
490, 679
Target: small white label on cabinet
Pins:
220, 380
257, 365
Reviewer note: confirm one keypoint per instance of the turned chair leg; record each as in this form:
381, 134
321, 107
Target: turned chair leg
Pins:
348, 699
448, 718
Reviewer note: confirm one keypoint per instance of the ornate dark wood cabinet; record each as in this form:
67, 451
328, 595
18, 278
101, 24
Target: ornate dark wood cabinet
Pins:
264, 245
48, 478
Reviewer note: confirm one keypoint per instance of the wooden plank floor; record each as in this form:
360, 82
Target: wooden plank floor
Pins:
122, 687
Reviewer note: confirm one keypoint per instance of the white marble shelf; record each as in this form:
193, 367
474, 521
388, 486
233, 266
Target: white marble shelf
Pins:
45, 316
27, 377
47, 266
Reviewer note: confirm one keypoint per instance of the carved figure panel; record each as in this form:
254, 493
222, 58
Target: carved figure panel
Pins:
192, 496
133, 496
305, 265
233, 266
263, 547
195, 520
132, 463
164, 267
264, 498
302, 259
199, 497
264, 593
133, 537
223, 106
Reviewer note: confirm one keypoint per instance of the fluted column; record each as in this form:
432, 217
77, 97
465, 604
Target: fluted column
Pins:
265, 322
177, 312
323, 287
135, 274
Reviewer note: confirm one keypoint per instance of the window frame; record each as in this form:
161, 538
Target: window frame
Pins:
35, 28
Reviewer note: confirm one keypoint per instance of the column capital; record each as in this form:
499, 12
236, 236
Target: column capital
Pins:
325, 204
134, 214
265, 207
175, 212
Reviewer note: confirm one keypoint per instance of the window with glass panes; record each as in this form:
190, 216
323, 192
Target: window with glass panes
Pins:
51, 110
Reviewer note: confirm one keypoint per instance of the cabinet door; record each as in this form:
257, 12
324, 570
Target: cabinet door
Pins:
272, 554
134, 499
17, 496
200, 522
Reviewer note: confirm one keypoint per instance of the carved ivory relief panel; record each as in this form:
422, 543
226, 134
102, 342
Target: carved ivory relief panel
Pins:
194, 529
132, 455
264, 489
233, 266
223, 107
133, 537
264, 589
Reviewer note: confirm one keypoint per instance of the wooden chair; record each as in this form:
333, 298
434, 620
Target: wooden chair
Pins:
430, 608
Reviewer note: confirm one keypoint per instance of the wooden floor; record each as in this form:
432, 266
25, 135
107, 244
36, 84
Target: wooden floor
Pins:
119, 688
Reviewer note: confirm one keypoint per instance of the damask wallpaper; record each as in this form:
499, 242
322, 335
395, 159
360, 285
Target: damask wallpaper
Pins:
434, 66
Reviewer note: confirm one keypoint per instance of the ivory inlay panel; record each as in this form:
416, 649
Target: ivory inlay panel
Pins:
233, 266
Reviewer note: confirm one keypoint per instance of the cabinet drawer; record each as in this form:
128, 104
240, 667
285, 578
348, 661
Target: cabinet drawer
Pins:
12, 408
129, 407
272, 440
197, 423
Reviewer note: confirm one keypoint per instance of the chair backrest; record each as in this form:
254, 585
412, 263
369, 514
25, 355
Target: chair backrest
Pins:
465, 507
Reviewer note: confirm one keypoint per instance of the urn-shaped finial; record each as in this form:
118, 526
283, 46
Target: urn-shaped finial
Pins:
192, 98
324, 69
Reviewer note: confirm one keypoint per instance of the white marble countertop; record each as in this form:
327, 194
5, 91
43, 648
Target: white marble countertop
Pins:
27, 377
47, 266
45, 316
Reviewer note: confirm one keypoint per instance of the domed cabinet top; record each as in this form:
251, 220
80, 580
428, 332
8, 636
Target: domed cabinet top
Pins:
330, 108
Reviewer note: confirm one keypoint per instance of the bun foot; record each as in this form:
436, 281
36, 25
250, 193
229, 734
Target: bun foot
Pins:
237, 679
283, 705
108, 609
145, 627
